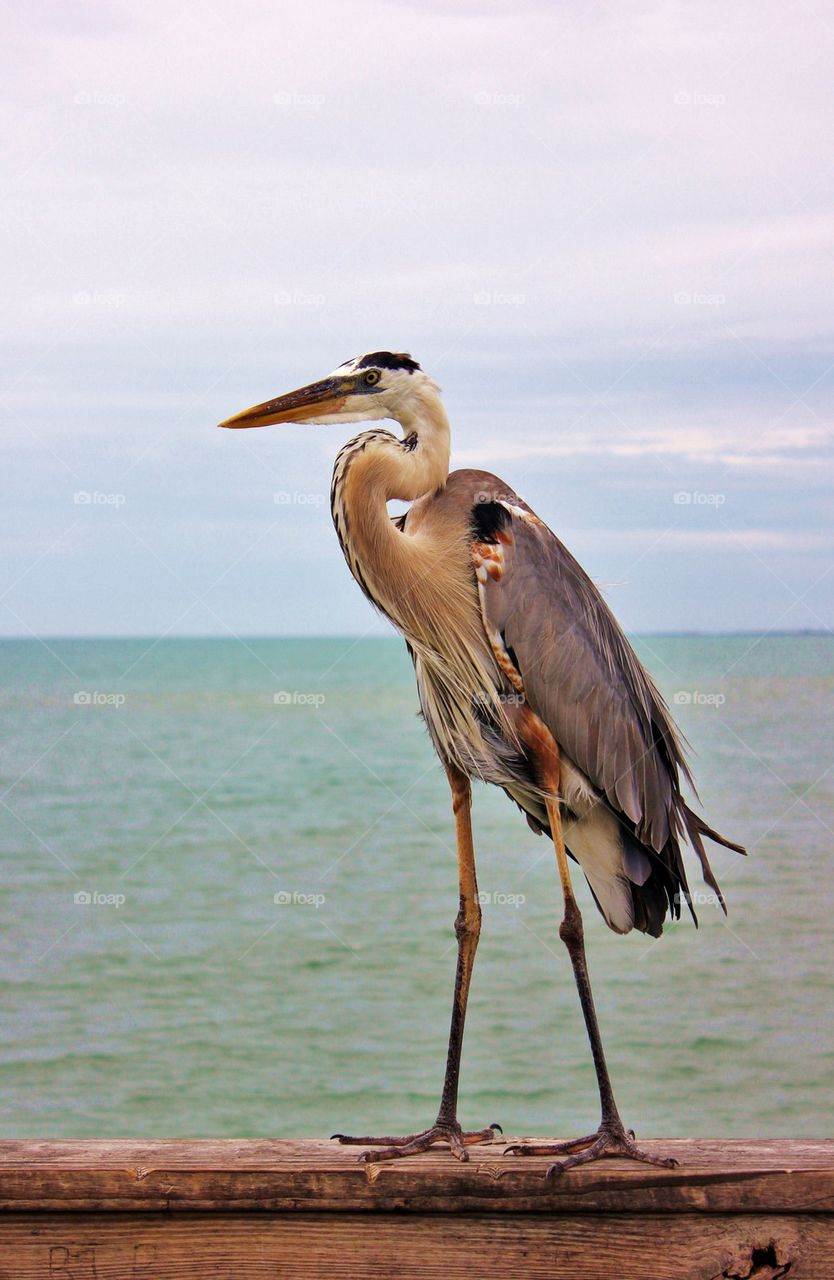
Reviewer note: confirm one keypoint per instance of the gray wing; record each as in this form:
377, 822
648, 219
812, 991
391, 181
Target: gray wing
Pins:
583, 679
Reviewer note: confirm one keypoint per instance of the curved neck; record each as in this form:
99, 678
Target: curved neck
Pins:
424, 464
419, 575
371, 470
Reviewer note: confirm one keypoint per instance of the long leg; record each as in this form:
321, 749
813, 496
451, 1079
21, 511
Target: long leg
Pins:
467, 929
468, 932
611, 1138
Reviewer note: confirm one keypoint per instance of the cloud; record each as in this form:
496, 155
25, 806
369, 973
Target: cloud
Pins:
606, 232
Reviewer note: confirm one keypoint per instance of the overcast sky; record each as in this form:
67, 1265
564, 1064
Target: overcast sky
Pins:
604, 229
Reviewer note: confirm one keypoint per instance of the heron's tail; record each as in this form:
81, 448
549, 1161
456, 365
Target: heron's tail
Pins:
696, 829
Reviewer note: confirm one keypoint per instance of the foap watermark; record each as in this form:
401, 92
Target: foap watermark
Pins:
96, 898
93, 498
497, 898
284, 898
482, 699
298, 298
98, 98
699, 898
698, 98
698, 698
498, 98
699, 298
493, 495
498, 298
294, 100
108, 299
693, 498
95, 698
295, 498
297, 698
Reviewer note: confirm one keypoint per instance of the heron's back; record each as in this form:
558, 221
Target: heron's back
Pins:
555, 644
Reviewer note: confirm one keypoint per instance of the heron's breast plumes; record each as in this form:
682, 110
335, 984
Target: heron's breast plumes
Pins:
421, 577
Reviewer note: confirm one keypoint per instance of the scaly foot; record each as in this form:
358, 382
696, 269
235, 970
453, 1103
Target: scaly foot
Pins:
440, 1131
610, 1139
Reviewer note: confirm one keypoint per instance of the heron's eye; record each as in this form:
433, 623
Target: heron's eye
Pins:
372, 377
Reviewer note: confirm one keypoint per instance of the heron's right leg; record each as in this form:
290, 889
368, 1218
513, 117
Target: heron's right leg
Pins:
612, 1138
467, 928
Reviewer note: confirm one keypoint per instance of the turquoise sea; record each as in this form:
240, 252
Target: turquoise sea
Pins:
180, 785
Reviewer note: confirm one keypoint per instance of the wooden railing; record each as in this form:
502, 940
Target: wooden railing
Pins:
171, 1210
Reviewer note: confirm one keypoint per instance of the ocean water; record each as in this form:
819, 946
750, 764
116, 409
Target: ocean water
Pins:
181, 785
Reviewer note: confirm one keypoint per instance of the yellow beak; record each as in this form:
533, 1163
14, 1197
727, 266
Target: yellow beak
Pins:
313, 401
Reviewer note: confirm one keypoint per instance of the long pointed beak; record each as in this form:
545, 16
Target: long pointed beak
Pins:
313, 401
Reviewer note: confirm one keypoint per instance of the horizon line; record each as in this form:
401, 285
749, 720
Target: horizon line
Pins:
394, 637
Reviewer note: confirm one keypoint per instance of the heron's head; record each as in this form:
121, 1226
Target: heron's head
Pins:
383, 384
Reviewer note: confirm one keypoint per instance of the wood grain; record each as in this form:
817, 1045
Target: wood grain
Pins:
183, 1210
309, 1246
262, 1175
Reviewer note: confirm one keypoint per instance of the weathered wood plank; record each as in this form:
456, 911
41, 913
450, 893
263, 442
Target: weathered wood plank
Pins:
310, 1246
270, 1176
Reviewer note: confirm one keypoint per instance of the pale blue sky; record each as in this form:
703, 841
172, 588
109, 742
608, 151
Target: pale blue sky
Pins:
605, 230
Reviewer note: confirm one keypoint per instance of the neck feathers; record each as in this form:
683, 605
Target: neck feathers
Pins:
372, 469
427, 447
420, 576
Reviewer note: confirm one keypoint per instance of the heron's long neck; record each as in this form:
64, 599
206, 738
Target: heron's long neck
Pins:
372, 469
421, 578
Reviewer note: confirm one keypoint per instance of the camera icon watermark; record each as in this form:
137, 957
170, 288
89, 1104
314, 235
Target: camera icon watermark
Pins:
698, 298
298, 698
95, 698
293, 100
486, 700
486, 496
87, 498
693, 498
493, 898
497, 98
697, 698
699, 898
697, 98
298, 298
294, 498
498, 298
98, 98
99, 298
98, 899
285, 898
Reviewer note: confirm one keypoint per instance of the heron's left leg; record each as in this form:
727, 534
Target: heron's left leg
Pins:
467, 928
611, 1139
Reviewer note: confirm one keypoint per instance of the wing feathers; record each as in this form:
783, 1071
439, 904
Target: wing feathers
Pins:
583, 679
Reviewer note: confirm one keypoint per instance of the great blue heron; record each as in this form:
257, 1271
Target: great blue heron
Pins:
525, 680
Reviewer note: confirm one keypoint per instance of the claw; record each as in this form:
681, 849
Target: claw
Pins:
441, 1131
611, 1139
